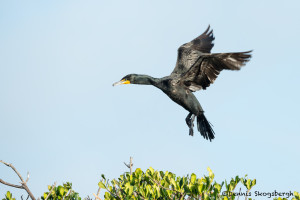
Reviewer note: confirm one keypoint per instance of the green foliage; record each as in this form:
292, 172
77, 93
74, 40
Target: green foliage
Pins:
8, 196
166, 185
159, 185
61, 192
296, 196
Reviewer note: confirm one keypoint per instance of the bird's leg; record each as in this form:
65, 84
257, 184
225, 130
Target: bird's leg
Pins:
188, 119
190, 122
192, 125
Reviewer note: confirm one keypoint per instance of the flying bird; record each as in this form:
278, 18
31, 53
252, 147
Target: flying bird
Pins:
196, 68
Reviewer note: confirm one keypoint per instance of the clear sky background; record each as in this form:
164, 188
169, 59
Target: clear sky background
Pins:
61, 119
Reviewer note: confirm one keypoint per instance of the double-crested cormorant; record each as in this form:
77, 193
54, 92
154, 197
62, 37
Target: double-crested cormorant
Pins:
196, 69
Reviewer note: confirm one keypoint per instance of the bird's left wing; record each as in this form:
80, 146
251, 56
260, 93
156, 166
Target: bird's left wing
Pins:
188, 53
206, 69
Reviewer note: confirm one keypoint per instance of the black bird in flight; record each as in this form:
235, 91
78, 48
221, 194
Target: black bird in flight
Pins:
196, 68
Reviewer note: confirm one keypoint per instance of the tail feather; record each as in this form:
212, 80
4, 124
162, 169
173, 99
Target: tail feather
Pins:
204, 127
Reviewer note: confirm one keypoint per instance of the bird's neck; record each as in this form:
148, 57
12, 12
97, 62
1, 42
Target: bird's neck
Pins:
145, 80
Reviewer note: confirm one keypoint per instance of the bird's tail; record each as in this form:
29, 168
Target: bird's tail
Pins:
204, 127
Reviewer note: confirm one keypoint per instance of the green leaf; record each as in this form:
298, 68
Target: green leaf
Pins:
107, 195
253, 183
101, 185
248, 184
8, 195
218, 187
181, 183
200, 188
138, 171
211, 174
151, 170
127, 185
193, 178
130, 190
172, 181
162, 174
237, 179
60, 190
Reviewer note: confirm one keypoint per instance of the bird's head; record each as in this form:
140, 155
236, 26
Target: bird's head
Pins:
128, 79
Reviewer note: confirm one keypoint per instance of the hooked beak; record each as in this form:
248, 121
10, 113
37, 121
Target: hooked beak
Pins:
121, 82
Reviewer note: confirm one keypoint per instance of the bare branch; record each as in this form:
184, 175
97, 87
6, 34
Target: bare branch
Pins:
129, 165
11, 166
53, 186
96, 196
98, 192
23, 183
4, 163
11, 185
28, 191
26, 198
27, 177
126, 165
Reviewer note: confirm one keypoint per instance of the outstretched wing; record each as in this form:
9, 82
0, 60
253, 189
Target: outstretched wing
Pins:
205, 71
189, 53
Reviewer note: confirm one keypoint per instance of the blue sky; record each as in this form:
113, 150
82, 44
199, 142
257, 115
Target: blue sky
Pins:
61, 119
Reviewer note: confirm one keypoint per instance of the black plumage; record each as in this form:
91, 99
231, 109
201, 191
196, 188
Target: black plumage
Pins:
196, 68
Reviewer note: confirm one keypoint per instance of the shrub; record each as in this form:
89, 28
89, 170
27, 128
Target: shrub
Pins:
159, 185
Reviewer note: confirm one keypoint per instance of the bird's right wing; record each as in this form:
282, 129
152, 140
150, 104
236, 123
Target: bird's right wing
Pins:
206, 69
189, 53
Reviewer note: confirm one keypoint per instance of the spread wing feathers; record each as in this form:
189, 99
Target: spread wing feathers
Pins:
205, 71
189, 53
203, 42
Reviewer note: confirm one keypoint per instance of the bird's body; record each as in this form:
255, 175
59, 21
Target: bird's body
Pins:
185, 98
196, 69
